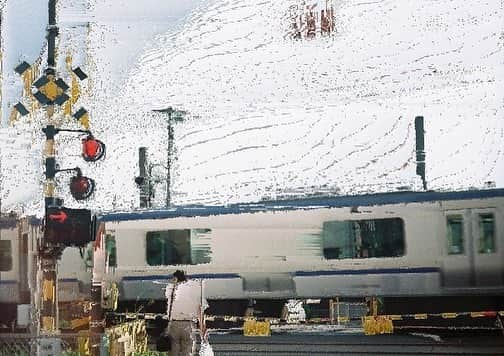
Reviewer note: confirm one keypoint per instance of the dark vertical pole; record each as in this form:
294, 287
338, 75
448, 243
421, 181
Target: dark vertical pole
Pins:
169, 157
96, 325
145, 178
420, 149
52, 32
97, 322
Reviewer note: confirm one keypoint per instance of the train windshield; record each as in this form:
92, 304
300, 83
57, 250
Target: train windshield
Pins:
363, 238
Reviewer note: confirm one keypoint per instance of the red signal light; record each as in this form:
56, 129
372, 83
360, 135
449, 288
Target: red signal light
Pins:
81, 187
92, 149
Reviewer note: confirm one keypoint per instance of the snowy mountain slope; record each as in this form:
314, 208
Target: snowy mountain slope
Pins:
270, 115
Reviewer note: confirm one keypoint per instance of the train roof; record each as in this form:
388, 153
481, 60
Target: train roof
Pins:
303, 204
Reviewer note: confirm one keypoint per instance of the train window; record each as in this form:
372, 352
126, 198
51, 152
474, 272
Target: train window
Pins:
486, 241
110, 247
5, 255
363, 238
455, 234
178, 247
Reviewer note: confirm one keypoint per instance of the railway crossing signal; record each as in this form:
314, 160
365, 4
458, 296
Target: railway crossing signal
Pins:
63, 227
92, 149
81, 187
50, 90
68, 227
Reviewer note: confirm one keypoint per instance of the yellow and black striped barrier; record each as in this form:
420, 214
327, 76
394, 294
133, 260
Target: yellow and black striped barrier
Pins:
341, 319
253, 327
372, 325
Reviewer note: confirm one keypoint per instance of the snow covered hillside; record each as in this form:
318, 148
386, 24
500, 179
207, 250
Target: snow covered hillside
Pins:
271, 115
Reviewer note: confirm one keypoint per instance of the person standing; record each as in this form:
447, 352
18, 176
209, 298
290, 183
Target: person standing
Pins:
185, 302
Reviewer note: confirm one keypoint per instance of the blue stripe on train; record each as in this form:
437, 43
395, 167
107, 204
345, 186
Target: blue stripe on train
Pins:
169, 276
368, 271
296, 274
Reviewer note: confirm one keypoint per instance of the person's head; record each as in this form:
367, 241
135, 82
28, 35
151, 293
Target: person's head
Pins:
180, 276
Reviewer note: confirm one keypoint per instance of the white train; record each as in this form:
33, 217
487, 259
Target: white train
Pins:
18, 238
402, 244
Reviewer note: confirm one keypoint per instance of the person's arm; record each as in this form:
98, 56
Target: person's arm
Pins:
170, 295
204, 302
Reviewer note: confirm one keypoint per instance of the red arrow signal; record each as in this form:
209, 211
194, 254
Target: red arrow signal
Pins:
60, 217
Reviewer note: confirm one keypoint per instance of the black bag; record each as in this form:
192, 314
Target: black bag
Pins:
164, 342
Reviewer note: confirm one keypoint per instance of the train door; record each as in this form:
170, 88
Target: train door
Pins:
488, 262
472, 256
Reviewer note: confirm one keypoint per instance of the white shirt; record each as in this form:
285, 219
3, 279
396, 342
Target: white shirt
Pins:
188, 298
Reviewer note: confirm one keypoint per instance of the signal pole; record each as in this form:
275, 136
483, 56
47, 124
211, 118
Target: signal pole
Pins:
63, 227
48, 256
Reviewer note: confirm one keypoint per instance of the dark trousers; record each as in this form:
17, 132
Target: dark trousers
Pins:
182, 339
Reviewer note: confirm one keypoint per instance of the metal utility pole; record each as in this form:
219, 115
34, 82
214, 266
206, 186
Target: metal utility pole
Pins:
173, 116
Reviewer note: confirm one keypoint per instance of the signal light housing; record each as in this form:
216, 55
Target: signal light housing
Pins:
92, 149
81, 187
68, 227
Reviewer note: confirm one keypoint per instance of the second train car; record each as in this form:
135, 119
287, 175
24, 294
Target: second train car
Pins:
401, 244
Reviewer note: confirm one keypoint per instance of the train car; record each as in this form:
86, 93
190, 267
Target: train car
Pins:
17, 239
400, 244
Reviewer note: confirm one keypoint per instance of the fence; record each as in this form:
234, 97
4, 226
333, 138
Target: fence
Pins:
129, 338
50, 345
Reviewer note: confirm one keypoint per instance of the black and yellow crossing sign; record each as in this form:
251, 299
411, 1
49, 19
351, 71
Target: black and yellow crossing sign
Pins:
22, 67
50, 90
79, 73
83, 117
21, 109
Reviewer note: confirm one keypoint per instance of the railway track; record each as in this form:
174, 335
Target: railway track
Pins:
303, 344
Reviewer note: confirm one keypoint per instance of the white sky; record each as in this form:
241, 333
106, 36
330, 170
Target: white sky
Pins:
268, 115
